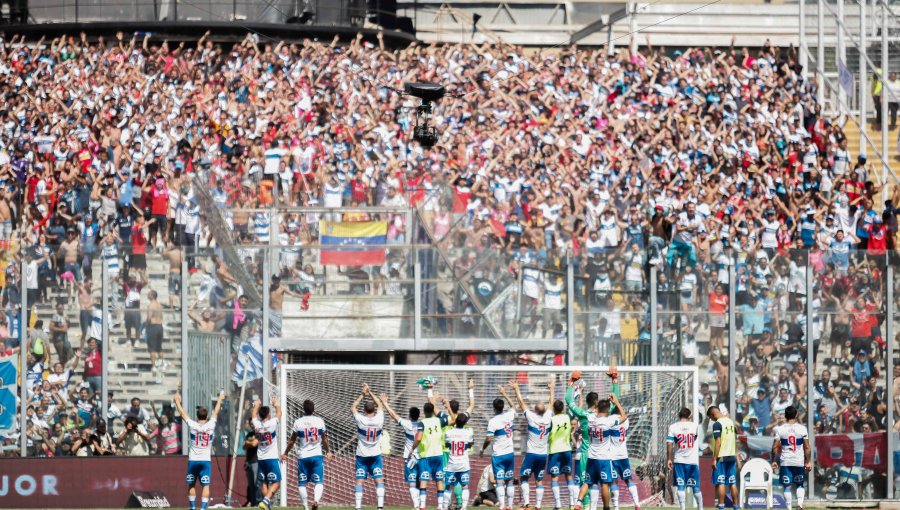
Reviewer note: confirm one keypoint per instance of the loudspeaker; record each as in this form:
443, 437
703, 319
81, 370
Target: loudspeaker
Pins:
383, 13
332, 12
357, 12
405, 24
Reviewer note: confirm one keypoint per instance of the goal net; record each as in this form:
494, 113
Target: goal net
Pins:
652, 395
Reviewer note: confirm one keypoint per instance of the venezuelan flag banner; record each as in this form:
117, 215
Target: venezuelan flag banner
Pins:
352, 244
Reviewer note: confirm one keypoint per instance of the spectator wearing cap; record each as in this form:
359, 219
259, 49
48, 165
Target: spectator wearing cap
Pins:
863, 368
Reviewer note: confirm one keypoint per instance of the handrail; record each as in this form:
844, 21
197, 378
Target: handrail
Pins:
836, 91
837, 96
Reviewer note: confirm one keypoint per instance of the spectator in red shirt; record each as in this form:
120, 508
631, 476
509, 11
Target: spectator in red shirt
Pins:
138, 258
159, 207
93, 365
878, 234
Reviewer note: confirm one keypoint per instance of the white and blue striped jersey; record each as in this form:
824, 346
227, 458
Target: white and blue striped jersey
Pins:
409, 434
538, 432
683, 436
618, 446
597, 426
202, 435
267, 432
309, 430
500, 428
459, 441
793, 437
369, 429
261, 227
110, 254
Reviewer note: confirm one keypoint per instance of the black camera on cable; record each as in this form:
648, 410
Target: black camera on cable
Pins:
424, 133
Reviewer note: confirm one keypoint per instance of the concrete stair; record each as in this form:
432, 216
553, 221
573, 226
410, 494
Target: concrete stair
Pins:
129, 369
853, 145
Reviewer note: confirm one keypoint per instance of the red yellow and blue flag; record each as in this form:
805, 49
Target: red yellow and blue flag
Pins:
359, 243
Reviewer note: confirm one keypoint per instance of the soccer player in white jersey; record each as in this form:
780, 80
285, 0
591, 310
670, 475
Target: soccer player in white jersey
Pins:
199, 466
684, 457
459, 440
618, 454
537, 447
410, 426
266, 428
369, 426
309, 429
451, 411
791, 452
500, 437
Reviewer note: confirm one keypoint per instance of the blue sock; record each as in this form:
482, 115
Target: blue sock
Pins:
204, 503
192, 502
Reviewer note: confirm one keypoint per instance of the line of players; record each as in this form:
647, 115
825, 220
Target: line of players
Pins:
437, 449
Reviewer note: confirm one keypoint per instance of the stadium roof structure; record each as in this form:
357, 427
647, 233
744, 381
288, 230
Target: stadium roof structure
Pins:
227, 20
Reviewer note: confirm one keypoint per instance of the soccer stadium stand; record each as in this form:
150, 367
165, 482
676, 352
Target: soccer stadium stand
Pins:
699, 198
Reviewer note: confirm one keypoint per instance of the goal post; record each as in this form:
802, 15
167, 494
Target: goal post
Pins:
652, 395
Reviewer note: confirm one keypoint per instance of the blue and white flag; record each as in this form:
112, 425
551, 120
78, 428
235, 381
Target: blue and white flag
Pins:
250, 359
845, 77
8, 376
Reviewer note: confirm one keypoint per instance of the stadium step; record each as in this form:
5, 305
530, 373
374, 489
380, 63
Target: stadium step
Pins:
874, 132
129, 368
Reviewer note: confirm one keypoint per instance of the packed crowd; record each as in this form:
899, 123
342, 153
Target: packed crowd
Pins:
691, 161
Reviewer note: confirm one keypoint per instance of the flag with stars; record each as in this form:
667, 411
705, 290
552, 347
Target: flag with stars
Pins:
359, 243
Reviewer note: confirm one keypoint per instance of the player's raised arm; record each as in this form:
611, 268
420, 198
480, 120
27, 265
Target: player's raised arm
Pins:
354, 407
277, 407
254, 411
574, 408
179, 408
509, 401
375, 399
387, 407
215, 413
434, 397
515, 387
622, 413
471, 408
